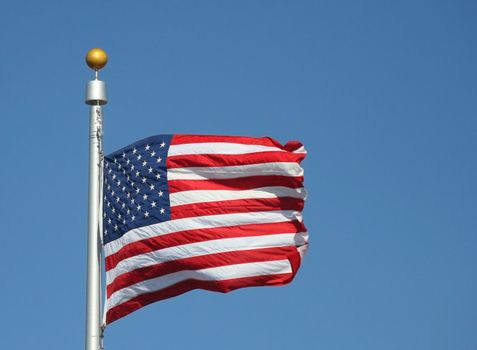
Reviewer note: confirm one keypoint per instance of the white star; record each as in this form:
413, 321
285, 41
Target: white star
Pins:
119, 216
158, 176
158, 160
146, 214
124, 221
128, 212
138, 190
117, 199
115, 227
144, 197
138, 207
151, 187
162, 210
134, 150
124, 155
160, 193
150, 170
144, 180
112, 193
114, 177
104, 216
144, 163
132, 167
147, 147
137, 173
129, 195
123, 188
115, 160
119, 166
109, 171
153, 204
162, 144
123, 205
114, 210
133, 218
128, 161
109, 221
153, 153
118, 182
139, 157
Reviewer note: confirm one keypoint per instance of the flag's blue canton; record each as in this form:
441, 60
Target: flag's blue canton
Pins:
135, 191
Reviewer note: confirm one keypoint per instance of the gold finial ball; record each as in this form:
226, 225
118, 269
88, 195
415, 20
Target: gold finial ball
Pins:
96, 58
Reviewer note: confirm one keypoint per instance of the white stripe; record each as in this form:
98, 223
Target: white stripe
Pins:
300, 150
209, 274
197, 249
302, 250
200, 222
219, 148
199, 196
235, 171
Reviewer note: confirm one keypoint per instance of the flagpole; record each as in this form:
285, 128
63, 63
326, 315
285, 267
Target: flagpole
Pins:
95, 98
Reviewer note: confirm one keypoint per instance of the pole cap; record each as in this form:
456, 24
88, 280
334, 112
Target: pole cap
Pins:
96, 93
96, 58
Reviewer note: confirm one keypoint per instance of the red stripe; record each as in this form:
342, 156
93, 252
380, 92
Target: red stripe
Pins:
142, 300
223, 286
264, 141
219, 160
200, 235
242, 183
236, 206
198, 263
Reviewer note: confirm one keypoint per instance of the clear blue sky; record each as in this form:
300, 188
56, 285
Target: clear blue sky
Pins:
382, 93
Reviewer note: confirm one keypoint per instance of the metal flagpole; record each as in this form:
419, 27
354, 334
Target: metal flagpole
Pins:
95, 98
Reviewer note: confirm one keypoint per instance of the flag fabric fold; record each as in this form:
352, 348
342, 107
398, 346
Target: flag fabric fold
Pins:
185, 212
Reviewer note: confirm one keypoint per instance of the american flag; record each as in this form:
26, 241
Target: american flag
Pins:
183, 212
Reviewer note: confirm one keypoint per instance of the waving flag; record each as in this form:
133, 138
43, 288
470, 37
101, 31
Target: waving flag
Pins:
183, 212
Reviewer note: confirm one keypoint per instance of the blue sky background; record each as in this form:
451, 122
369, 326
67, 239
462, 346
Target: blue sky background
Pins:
382, 93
